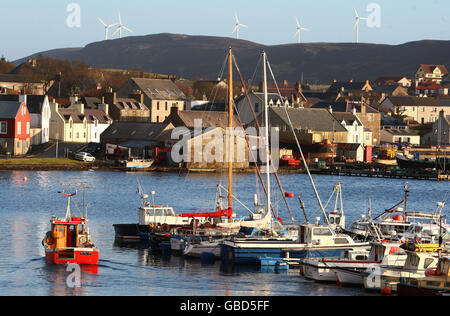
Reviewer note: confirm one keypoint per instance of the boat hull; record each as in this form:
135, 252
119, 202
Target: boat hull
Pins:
131, 232
250, 252
82, 256
348, 277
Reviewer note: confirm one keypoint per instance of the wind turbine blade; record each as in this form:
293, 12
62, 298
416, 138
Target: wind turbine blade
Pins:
101, 21
243, 25
295, 35
112, 25
118, 29
298, 23
120, 19
356, 12
126, 28
237, 19
235, 29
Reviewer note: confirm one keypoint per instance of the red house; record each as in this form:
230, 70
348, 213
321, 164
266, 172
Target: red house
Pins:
15, 127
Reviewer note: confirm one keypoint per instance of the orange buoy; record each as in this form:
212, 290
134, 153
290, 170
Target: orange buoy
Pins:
25, 179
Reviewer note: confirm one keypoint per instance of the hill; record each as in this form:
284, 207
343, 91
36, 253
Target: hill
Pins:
203, 57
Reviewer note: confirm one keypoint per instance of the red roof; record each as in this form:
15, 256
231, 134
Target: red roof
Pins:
430, 68
429, 85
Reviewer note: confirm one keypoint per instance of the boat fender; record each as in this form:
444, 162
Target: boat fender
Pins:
49, 240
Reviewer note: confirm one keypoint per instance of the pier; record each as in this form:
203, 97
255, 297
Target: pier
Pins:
411, 174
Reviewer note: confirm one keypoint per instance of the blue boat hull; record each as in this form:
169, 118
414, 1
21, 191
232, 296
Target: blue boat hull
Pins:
235, 255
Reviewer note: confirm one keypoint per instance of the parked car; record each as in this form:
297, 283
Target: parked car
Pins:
83, 156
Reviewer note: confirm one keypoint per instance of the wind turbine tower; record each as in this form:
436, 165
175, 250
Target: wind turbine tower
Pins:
358, 18
107, 27
299, 31
121, 28
238, 26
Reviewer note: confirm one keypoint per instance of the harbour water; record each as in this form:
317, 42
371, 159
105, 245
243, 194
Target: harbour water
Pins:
26, 207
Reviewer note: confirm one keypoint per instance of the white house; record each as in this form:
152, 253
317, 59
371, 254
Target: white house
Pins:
353, 125
79, 125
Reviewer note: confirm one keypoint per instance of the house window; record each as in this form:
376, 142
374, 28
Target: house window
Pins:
19, 128
78, 135
3, 127
28, 128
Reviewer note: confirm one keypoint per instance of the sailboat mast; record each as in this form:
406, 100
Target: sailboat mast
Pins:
230, 139
266, 118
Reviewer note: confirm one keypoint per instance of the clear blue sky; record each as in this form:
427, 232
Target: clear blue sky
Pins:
31, 26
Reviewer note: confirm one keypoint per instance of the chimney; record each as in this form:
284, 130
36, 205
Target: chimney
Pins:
73, 100
174, 110
363, 108
104, 107
139, 97
110, 97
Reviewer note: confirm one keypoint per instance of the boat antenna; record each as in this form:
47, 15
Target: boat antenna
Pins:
406, 197
266, 118
302, 205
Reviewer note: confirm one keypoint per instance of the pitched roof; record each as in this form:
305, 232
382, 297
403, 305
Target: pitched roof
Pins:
413, 101
427, 68
401, 132
99, 115
134, 130
347, 85
320, 120
159, 89
347, 117
131, 104
429, 85
76, 116
9, 109
208, 118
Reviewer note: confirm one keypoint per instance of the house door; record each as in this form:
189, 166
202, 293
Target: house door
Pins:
24, 147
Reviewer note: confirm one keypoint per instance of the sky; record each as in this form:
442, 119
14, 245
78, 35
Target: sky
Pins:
39, 25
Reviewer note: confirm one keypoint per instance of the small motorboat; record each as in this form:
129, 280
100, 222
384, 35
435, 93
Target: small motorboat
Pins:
69, 240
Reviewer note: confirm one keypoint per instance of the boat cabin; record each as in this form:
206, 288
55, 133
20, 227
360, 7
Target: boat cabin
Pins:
337, 220
417, 230
418, 263
322, 235
147, 214
68, 235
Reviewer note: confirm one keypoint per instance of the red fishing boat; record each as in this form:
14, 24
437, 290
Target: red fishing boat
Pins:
69, 240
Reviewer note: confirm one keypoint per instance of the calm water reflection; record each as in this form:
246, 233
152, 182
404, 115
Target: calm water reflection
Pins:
27, 207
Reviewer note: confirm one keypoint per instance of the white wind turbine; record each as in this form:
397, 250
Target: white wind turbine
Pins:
121, 27
299, 30
107, 27
238, 26
358, 18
